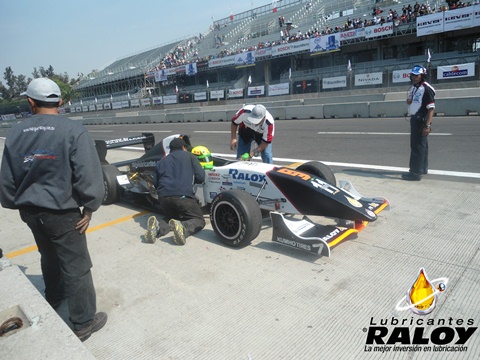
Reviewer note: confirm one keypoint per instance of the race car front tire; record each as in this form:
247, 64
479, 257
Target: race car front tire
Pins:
235, 217
320, 170
112, 189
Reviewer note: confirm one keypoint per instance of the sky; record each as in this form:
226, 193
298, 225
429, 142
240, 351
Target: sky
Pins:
80, 36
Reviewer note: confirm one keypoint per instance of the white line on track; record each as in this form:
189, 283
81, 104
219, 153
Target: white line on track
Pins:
360, 166
215, 132
152, 131
373, 133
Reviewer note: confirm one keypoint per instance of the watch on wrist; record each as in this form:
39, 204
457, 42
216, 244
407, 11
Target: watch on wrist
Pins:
428, 126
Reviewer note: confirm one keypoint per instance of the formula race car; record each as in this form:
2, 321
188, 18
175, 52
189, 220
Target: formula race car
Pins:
238, 193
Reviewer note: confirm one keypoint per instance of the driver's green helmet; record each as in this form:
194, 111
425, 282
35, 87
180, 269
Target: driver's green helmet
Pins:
204, 156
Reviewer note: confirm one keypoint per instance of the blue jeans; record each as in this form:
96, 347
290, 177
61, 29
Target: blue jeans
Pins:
65, 261
418, 146
245, 147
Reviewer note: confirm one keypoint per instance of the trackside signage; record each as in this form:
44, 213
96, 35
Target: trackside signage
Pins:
462, 18
401, 76
235, 93
279, 89
456, 71
458, 19
379, 30
369, 79
334, 82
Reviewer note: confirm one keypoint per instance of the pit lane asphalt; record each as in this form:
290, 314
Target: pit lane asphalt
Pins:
266, 301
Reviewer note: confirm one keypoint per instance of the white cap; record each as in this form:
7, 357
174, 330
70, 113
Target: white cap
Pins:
43, 89
257, 114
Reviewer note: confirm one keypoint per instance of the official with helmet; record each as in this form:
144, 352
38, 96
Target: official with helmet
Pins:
421, 106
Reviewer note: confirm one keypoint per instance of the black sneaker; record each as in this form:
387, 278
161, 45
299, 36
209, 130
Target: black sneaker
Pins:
411, 177
99, 321
178, 232
152, 228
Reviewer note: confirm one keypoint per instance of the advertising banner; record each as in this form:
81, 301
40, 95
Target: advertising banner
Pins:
170, 99
158, 100
256, 91
99, 107
191, 69
401, 76
160, 75
334, 82
185, 98
291, 48
235, 93
263, 52
369, 79
456, 71
352, 34
225, 61
200, 96
217, 94
304, 86
146, 102
279, 89
378, 30
325, 43
91, 108
245, 59
430, 24
107, 106
476, 15
457, 19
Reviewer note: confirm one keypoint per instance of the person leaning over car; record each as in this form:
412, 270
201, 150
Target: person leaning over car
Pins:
50, 170
255, 124
175, 175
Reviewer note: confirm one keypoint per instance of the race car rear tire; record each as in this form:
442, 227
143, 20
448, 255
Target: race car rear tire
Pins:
320, 170
113, 191
235, 217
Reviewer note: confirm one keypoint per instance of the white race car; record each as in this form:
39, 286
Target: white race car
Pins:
238, 194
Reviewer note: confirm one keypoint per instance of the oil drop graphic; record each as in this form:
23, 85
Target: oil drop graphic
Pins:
422, 296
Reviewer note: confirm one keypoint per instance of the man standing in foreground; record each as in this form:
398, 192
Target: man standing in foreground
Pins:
421, 106
51, 173
176, 173
254, 123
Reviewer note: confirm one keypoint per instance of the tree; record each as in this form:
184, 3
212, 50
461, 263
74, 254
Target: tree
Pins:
14, 85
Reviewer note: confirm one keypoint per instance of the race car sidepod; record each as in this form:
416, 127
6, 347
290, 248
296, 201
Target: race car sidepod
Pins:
318, 239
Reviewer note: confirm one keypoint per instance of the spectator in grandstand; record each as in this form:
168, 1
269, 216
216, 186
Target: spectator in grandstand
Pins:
254, 124
51, 173
421, 105
176, 173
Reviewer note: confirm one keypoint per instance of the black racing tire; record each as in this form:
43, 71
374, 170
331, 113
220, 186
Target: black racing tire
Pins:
319, 170
235, 217
113, 191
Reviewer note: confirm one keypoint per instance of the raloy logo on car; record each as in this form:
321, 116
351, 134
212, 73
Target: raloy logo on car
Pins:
237, 175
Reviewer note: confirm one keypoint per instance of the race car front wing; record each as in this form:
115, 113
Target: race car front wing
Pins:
304, 234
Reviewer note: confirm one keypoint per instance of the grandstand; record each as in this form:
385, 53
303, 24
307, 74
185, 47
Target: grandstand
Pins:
260, 31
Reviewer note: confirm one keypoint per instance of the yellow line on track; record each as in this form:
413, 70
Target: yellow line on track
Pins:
26, 250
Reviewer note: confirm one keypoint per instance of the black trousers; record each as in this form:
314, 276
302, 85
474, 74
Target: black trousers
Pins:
65, 261
418, 146
184, 209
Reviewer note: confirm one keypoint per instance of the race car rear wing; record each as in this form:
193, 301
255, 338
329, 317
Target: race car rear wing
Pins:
147, 139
